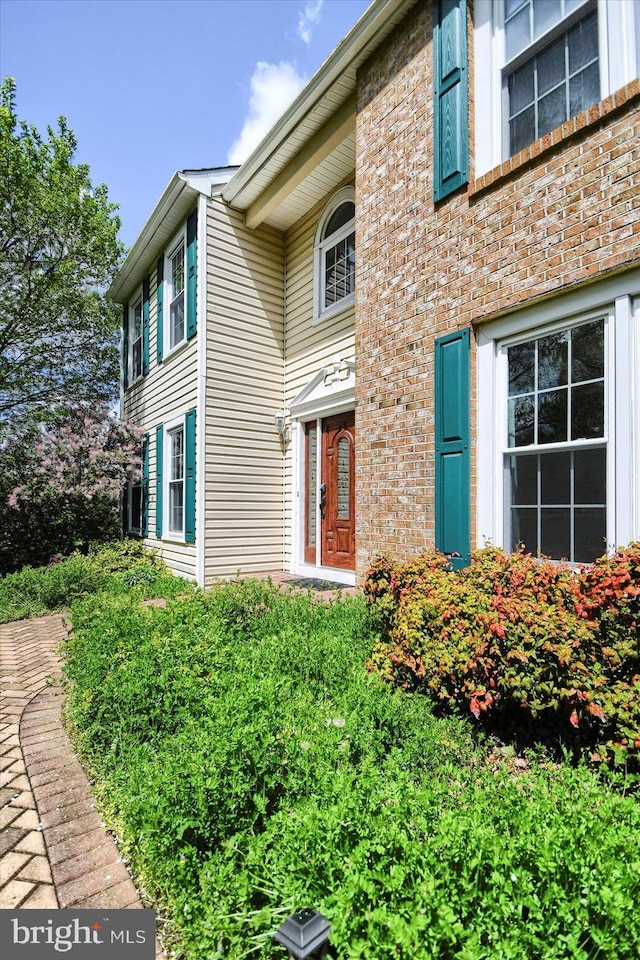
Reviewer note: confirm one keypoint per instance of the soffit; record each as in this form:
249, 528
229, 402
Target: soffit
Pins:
324, 96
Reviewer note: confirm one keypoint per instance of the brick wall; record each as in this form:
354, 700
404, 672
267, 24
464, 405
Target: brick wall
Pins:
564, 211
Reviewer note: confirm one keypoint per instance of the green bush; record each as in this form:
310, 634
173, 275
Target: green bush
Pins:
532, 646
250, 766
117, 567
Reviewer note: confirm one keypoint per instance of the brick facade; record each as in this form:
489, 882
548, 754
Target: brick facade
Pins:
563, 212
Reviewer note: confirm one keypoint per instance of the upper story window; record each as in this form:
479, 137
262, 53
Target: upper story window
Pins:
335, 255
552, 70
540, 62
176, 295
135, 344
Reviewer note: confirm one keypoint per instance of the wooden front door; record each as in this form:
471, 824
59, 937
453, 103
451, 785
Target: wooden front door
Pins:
337, 491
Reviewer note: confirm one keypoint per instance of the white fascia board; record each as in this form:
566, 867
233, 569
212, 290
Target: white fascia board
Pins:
167, 216
348, 50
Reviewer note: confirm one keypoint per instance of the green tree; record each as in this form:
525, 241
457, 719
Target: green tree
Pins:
59, 250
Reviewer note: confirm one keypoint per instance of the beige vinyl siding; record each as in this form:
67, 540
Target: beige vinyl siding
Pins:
309, 346
167, 392
243, 391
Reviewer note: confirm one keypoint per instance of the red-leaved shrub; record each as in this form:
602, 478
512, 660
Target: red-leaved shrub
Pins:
523, 642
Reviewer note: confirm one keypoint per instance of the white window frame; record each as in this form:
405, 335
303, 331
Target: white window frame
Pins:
132, 376
618, 301
320, 312
173, 428
171, 251
619, 62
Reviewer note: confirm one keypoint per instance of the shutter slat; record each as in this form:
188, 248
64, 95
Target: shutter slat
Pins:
453, 482
451, 107
159, 309
192, 256
159, 480
190, 477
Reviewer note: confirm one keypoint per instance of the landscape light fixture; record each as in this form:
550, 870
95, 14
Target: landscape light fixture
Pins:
305, 934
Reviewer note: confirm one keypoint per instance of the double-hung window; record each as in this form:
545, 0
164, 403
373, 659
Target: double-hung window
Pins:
538, 63
335, 264
176, 480
135, 355
176, 296
555, 459
558, 444
552, 69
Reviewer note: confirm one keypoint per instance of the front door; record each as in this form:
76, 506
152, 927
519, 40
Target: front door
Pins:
337, 492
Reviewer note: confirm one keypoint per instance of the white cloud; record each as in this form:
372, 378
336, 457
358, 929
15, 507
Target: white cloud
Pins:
307, 19
273, 87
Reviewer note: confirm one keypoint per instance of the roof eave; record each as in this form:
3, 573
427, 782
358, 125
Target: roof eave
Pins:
364, 31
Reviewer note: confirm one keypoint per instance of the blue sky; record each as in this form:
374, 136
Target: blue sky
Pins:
154, 86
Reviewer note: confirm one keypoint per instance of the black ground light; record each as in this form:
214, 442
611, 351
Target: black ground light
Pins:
305, 934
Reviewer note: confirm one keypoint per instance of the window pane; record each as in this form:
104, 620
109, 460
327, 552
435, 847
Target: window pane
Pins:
521, 421
555, 478
553, 356
517, 32
524, 528
583, 43
522, 365
136, 506
176, 505
555, 533
590, 476
177, 320
545, 14
587, 411
524, 480
339, 218
584, 89
177, 271
587, 352
177, 455
552, 416
551, 67
590, 534
552, 110
344, 467
312, 481
521, 88
522, 130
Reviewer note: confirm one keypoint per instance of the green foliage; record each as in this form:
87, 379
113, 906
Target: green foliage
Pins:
529, 645
250, 765
58, 250
119, 567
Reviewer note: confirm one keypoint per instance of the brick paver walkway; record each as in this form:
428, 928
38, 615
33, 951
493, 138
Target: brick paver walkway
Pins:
54, 850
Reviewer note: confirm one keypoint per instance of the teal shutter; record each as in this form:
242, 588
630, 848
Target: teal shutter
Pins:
145, 486
190, 477
192, 279
451, 106
159, 480
145, 326
453, 486
159, 310
125, 346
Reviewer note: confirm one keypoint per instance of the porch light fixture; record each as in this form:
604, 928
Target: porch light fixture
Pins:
305, 934
282, 425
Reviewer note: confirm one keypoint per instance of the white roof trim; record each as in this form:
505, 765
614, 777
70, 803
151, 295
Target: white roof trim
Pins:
331, 390
173, 206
